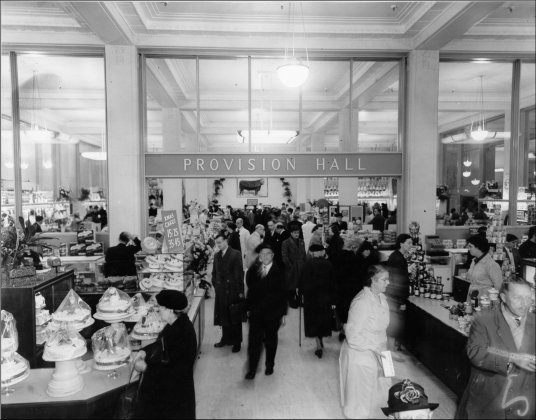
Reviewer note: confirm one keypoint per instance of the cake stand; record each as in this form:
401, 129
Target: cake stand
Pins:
18, 375
82, 366
66, 379
113, 319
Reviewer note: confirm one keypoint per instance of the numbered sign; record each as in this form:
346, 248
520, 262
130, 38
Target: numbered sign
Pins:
172, 231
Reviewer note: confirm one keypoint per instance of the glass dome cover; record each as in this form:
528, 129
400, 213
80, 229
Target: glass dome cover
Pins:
150, 324
64, 344
111, 346
10, 336
114, 302
73, 310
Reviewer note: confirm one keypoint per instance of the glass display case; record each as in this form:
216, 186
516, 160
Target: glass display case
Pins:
21, 302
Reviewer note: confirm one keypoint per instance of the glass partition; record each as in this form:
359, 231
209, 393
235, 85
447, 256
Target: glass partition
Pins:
474, 135
526, 213
62, 140
7, 161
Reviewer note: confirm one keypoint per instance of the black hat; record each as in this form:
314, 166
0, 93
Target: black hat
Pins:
293, 227
316, 248
264, 245
511, 238
338, 214
172, 299
406, 396
479, 242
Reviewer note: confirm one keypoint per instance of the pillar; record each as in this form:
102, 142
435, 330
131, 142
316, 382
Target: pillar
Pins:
421, 142
125, 178
348, 140
171, 129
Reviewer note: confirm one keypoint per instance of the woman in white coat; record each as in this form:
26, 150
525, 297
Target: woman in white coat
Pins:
363, 387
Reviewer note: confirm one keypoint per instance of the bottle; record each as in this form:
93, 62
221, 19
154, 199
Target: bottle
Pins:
416, 289
432, 289
411, 288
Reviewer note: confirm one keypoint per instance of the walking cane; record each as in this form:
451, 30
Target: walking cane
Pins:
300, 306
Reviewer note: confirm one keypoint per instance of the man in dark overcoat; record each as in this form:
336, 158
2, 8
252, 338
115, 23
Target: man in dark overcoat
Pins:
228, 283
501, 349
293, 255
267, 307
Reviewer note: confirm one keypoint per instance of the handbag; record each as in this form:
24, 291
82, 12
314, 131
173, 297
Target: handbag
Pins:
126, 405
237, 312
335, 321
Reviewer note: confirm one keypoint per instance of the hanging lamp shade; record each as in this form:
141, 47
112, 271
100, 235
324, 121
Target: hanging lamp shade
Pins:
293, 74
475, 181
467, 163
466, 174
94, 155
480, 133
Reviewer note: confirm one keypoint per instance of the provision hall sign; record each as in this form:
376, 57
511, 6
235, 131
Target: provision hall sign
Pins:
169, 165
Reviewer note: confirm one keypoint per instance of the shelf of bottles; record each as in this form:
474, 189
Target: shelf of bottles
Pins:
496, 234
374, 187
331, 188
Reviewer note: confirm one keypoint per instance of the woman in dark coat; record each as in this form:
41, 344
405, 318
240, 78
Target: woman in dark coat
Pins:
234, 236
349, 284
398, 290
167, 389
317, 287
367, 256
335, 243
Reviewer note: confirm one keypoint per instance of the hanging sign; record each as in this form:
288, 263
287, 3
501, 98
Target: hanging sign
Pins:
172, 231
170, 165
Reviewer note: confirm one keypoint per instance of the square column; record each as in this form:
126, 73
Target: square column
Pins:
421, 145
126, 192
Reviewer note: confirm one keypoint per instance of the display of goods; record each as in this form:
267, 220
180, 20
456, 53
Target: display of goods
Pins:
114, 302
150, 245
10, 337
74, 311
111, 346
64, 344
150, 325
53, 262
14, 370
139, 306
169, 262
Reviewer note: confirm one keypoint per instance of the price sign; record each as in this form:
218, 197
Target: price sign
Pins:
172, 231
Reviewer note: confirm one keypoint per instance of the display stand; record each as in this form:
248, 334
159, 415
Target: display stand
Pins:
66, 379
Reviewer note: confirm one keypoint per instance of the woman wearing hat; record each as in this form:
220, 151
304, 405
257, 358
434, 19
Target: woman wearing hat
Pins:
484, 273
317, 286
167, 389
362, 385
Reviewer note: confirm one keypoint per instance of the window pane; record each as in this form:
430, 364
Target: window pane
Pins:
526, 213
7, 162
171, 105
223, 91
62, 113
474, 166
274, 109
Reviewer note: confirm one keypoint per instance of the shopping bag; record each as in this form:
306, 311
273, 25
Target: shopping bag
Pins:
238, 312
126, 404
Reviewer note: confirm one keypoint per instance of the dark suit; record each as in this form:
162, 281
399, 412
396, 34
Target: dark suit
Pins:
267, 304
34, 229
342, 225
228, 282
516, 263
492, 392
120, 260
167, 390
397, 292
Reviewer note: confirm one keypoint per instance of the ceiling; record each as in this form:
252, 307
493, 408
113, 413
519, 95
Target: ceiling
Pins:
73, 98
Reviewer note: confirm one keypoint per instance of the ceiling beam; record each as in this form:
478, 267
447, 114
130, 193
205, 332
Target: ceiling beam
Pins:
102, 22
457, 19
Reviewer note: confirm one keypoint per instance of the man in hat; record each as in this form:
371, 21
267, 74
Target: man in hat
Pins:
266, 304
254, 240
293, 255
528, 248
407, 400
340, 223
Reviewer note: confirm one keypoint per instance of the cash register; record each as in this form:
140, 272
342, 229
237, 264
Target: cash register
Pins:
435, 250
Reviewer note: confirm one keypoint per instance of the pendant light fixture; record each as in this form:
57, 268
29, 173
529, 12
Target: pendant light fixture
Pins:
467, 163
475, 181
97, 155
480, 133
35, 133
294, 72
466, 174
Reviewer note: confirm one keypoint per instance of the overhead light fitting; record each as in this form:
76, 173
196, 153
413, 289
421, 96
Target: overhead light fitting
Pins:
475, 181
480, 133
294, 72
102, 155
35, 133
47, 164
9, 164
467, 163
466, 174
24, 165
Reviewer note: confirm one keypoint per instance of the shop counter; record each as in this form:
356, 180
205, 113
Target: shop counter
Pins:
437, 342
97, 399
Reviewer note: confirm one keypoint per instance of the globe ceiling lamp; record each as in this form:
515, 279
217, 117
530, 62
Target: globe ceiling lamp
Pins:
475, 181
467, 163
480, 133
100, 155
294, 72
466, 174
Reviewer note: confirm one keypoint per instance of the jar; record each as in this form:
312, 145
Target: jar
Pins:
468, 308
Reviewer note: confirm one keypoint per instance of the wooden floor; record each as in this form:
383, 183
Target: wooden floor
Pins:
302, 385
